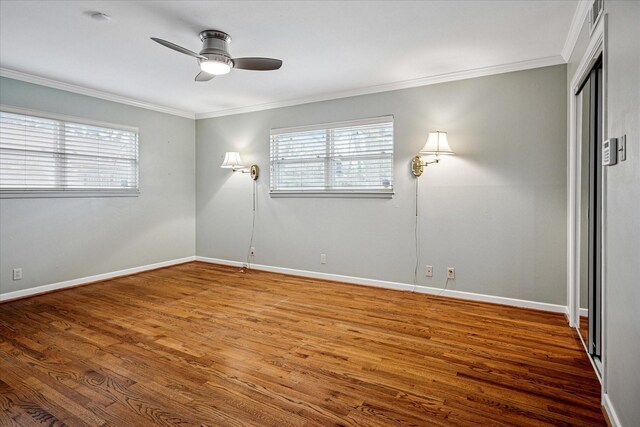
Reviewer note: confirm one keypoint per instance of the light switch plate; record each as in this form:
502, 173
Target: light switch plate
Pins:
622, 148
610, 152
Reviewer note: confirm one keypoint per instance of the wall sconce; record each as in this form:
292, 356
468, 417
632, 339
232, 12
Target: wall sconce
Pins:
436, 145
233, 161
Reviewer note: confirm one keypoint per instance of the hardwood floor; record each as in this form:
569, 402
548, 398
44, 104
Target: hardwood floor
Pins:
200, 344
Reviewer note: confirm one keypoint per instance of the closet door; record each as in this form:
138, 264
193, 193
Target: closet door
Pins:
590, 115
595, 207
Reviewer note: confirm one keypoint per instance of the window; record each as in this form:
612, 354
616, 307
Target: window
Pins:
44, 154
348, 158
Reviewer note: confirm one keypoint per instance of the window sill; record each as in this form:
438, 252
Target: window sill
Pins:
325, 194
36, 194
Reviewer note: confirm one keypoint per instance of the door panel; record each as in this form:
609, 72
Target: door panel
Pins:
590, 250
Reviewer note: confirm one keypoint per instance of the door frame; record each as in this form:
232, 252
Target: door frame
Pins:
597, 46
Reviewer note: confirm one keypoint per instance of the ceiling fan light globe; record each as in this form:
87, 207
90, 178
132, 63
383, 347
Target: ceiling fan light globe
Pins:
214, 67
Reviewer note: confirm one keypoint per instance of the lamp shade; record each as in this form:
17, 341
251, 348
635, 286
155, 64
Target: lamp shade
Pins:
232, 160
436, 144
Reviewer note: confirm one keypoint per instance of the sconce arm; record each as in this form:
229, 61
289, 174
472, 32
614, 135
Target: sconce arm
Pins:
418, 165
253, 170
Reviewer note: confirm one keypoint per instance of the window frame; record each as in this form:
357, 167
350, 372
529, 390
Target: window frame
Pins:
328, 128
24, 193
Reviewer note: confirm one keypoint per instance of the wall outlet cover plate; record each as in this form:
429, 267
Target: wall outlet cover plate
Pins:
451, 273
429, 271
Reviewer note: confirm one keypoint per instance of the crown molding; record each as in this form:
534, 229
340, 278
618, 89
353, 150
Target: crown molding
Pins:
579, 16
55, 84
406, 84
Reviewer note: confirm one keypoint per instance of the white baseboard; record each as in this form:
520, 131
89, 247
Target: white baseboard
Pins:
583, 312
81, 281
395, 285
613, 417
304, 273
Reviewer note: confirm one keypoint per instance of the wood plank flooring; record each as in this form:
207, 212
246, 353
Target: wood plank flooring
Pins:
204, 345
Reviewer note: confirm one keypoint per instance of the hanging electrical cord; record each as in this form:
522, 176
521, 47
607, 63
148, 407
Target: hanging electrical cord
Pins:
417, 240
445, 287
247, 265
417, 245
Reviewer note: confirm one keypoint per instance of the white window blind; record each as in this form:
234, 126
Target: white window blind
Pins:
353, 157
40, 154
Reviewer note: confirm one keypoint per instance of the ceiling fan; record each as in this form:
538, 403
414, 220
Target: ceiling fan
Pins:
214, 58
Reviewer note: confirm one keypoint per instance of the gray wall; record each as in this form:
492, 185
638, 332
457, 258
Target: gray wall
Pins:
622, 208
496, 211
60, 239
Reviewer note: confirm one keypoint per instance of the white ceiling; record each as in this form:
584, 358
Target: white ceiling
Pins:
328, 48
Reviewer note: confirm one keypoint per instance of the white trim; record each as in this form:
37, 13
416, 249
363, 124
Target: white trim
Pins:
42, 81
332, 194
597, 45
579, 16
393, 285
43, 194
593, 22
406, 84
594, 49
584, 312
81, 281
608, 406
577, 212
573, 263
573, 222
603, 26
424, 81
333, 125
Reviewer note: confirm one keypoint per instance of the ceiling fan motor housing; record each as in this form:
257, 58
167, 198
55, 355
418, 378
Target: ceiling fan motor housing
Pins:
215, 42
215, 46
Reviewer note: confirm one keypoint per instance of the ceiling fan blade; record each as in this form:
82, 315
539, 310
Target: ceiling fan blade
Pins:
178, 48
257, 64
203, 77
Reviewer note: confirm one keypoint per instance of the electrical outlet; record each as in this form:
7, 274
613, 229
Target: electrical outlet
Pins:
451, 273
429, 271
323, 258
252, 251
17, 274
